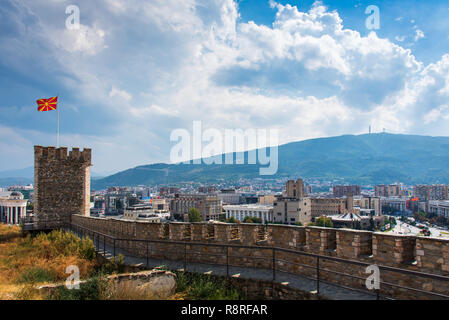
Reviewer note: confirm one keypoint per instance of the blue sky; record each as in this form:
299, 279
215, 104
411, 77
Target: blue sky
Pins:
398, 19
137, 70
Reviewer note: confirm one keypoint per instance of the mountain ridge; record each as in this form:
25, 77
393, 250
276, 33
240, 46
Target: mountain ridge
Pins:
363, 159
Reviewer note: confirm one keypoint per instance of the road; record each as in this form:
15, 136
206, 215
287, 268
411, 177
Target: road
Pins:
407, 229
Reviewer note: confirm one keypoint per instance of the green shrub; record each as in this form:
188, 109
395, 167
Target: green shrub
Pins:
93, 289
231, 220
115, 265
36, 275
204, 287
323, 222
119, 262
194, 215
249, 219
64, 243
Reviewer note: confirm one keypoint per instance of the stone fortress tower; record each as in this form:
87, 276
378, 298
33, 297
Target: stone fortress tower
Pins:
61, 185
295, 189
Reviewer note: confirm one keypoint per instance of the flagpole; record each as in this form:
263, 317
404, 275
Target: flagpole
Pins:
57, 129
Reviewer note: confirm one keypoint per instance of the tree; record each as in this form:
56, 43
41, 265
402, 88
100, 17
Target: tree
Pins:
441, 220
324, 222
231, 220
256, 220
247, 219
371, 224
194, 215
298, 223
419, 216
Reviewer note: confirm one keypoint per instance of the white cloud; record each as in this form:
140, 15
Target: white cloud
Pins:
120, 93
419, 34
87, 40
156, 66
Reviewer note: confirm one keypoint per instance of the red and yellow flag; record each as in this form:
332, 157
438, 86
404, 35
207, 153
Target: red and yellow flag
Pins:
47, 104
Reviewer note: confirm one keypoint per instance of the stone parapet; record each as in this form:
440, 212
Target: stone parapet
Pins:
322, 240
393, 249
283, 236
431, 255
353, 243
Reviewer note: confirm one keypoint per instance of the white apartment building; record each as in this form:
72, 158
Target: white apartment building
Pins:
239, 212
291, 211
229, 197
370, 203
399, 203
439, 207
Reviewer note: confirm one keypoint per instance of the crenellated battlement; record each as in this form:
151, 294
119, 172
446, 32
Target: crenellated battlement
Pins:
52, 153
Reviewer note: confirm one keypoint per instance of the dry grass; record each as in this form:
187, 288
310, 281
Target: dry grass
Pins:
8, 233
27, 261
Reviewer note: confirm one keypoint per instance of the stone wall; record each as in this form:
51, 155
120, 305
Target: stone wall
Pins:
61, 184
406, 252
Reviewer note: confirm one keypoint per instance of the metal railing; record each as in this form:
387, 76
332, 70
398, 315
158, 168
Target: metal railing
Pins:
98, 237
33, 223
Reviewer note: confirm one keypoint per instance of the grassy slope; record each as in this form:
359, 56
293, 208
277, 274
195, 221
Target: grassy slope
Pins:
29, 261
26, 262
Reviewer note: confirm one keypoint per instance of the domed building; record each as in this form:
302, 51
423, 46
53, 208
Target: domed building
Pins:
12, 207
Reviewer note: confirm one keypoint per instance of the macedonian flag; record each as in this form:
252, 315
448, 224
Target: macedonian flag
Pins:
47, 104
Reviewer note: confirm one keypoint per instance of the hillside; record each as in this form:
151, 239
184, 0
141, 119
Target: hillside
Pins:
363, 159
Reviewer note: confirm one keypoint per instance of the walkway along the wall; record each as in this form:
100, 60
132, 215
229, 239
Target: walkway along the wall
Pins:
425, 255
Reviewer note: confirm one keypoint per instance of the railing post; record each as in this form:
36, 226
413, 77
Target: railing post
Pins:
98, 243
274, 264
148, 253
104, 245
317, 275
114, 248
185, 256
227, 261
